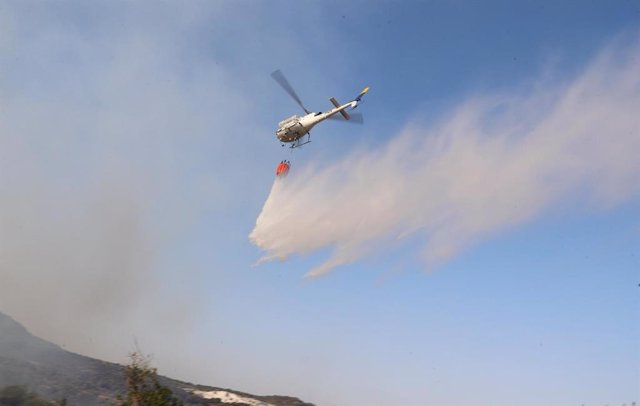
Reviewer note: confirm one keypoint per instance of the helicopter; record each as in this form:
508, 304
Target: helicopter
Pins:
294, 129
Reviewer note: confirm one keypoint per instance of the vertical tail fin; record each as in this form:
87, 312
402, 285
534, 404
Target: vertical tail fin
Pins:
362, 93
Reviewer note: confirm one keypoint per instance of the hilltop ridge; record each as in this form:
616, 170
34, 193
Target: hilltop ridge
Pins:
55, 373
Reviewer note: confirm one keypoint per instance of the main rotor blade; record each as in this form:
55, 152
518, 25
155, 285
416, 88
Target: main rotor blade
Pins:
356, 118
282, 81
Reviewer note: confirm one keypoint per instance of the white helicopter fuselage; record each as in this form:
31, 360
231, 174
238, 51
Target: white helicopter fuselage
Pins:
296, 127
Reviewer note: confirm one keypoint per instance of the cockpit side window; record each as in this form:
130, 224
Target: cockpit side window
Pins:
287, 121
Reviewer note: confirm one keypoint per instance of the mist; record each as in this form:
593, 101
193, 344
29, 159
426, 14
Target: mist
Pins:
95, 149
495, 162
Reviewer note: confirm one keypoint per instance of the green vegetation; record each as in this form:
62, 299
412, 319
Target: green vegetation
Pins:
143, 388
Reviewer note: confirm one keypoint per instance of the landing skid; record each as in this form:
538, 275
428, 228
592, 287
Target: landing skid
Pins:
297, 143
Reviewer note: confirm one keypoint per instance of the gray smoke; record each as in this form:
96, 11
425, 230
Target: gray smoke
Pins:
495, 163
99, 134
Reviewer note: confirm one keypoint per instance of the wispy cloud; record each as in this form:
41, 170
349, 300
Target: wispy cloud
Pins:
496, 162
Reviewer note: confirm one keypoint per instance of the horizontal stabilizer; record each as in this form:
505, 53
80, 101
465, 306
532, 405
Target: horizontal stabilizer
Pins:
336, 104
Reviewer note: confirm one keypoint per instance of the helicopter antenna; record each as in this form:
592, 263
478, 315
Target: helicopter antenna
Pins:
282, 81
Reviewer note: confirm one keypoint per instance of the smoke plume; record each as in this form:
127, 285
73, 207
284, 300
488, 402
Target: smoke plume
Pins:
96, 179
496, 162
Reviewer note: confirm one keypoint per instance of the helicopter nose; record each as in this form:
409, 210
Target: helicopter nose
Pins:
282, 136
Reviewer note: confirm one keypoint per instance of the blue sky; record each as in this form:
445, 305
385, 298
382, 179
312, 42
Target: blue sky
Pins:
137, 149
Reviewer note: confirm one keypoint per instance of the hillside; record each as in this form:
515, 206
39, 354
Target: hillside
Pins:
55, 373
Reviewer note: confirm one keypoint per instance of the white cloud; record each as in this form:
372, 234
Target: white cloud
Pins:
495, 163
